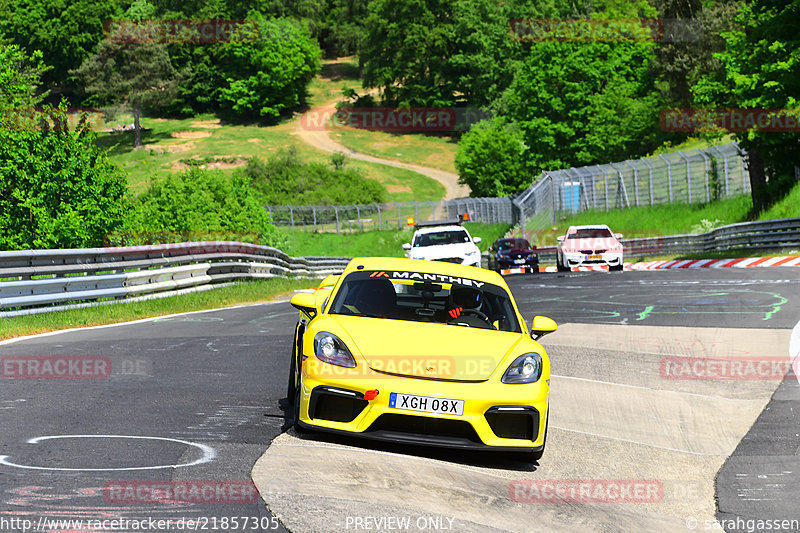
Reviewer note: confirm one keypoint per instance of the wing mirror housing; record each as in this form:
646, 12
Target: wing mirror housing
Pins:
560, 238
406, 246
476, 240
541, 326
305, 302
618, 235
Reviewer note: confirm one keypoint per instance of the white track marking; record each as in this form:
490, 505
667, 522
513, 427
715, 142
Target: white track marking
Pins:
209, 454
131, 322
678, 450
794, 351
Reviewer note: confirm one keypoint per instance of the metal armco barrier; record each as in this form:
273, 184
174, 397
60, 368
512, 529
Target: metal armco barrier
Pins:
36, 280
783, 233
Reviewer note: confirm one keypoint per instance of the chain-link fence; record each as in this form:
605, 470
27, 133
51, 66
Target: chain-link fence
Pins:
350, 218
692, 176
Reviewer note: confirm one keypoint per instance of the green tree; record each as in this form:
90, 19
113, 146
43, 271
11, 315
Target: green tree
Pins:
491, 159
137, 75
20, 77
57, 189
584, 103
761, 71
66, 31
201, 201
266, 76
439, 52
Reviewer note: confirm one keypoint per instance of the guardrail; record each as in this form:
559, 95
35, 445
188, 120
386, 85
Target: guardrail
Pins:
775, 234
36, 281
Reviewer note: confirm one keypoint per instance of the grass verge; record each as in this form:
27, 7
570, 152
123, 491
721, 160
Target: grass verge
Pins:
238, 293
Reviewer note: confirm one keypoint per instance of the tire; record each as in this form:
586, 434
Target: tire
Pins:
615, 268
296, 412
559, 266
291, 387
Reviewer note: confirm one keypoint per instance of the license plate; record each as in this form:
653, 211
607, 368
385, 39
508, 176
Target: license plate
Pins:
426, 404
519, 261
596, 256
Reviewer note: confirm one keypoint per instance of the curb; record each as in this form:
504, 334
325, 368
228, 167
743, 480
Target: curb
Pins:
744, 262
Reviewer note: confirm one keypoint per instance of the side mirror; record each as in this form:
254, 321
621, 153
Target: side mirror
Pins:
560, 238
618, 235
305, 302
406, 246
476, 240
541, 326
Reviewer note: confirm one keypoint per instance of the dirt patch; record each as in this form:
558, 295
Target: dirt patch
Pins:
207, 124
187, 134
222, 164
398, 188
255, 140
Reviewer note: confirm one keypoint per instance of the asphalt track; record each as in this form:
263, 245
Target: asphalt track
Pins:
213, 383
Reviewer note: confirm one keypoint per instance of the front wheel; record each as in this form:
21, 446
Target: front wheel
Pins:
615, 268
560, 267
296, 412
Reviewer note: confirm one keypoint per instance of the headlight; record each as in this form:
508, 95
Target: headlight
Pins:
330, 349
525, 369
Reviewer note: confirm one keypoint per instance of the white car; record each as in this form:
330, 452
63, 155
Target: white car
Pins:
592, 245
444, 241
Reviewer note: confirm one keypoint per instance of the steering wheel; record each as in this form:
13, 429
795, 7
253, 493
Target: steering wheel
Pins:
475, 312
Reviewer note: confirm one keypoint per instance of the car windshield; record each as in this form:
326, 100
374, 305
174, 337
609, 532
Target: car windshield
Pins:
423, 297
441, 237
590, 233
514, 244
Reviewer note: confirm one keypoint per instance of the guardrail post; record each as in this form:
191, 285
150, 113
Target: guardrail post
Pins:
336, 214
635, 181
399, 215
725, 168
358, 217
669, 176
291, 215
380, 222
688, 174
705, 161
314, 213
649, 166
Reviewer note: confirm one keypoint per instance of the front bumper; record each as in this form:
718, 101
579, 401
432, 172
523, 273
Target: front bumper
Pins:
496, 416
605, 259
531, 263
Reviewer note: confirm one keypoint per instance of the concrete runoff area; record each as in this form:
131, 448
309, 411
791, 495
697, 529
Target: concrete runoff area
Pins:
616, 418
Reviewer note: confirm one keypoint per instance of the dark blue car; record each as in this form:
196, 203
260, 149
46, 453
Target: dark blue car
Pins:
513, 253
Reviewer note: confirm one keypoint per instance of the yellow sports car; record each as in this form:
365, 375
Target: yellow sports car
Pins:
420, 352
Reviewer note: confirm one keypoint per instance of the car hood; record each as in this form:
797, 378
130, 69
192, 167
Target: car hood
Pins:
442, 250
426, 350
516, 251
605, 243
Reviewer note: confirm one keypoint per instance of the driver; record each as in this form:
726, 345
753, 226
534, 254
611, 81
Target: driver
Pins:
464, 299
